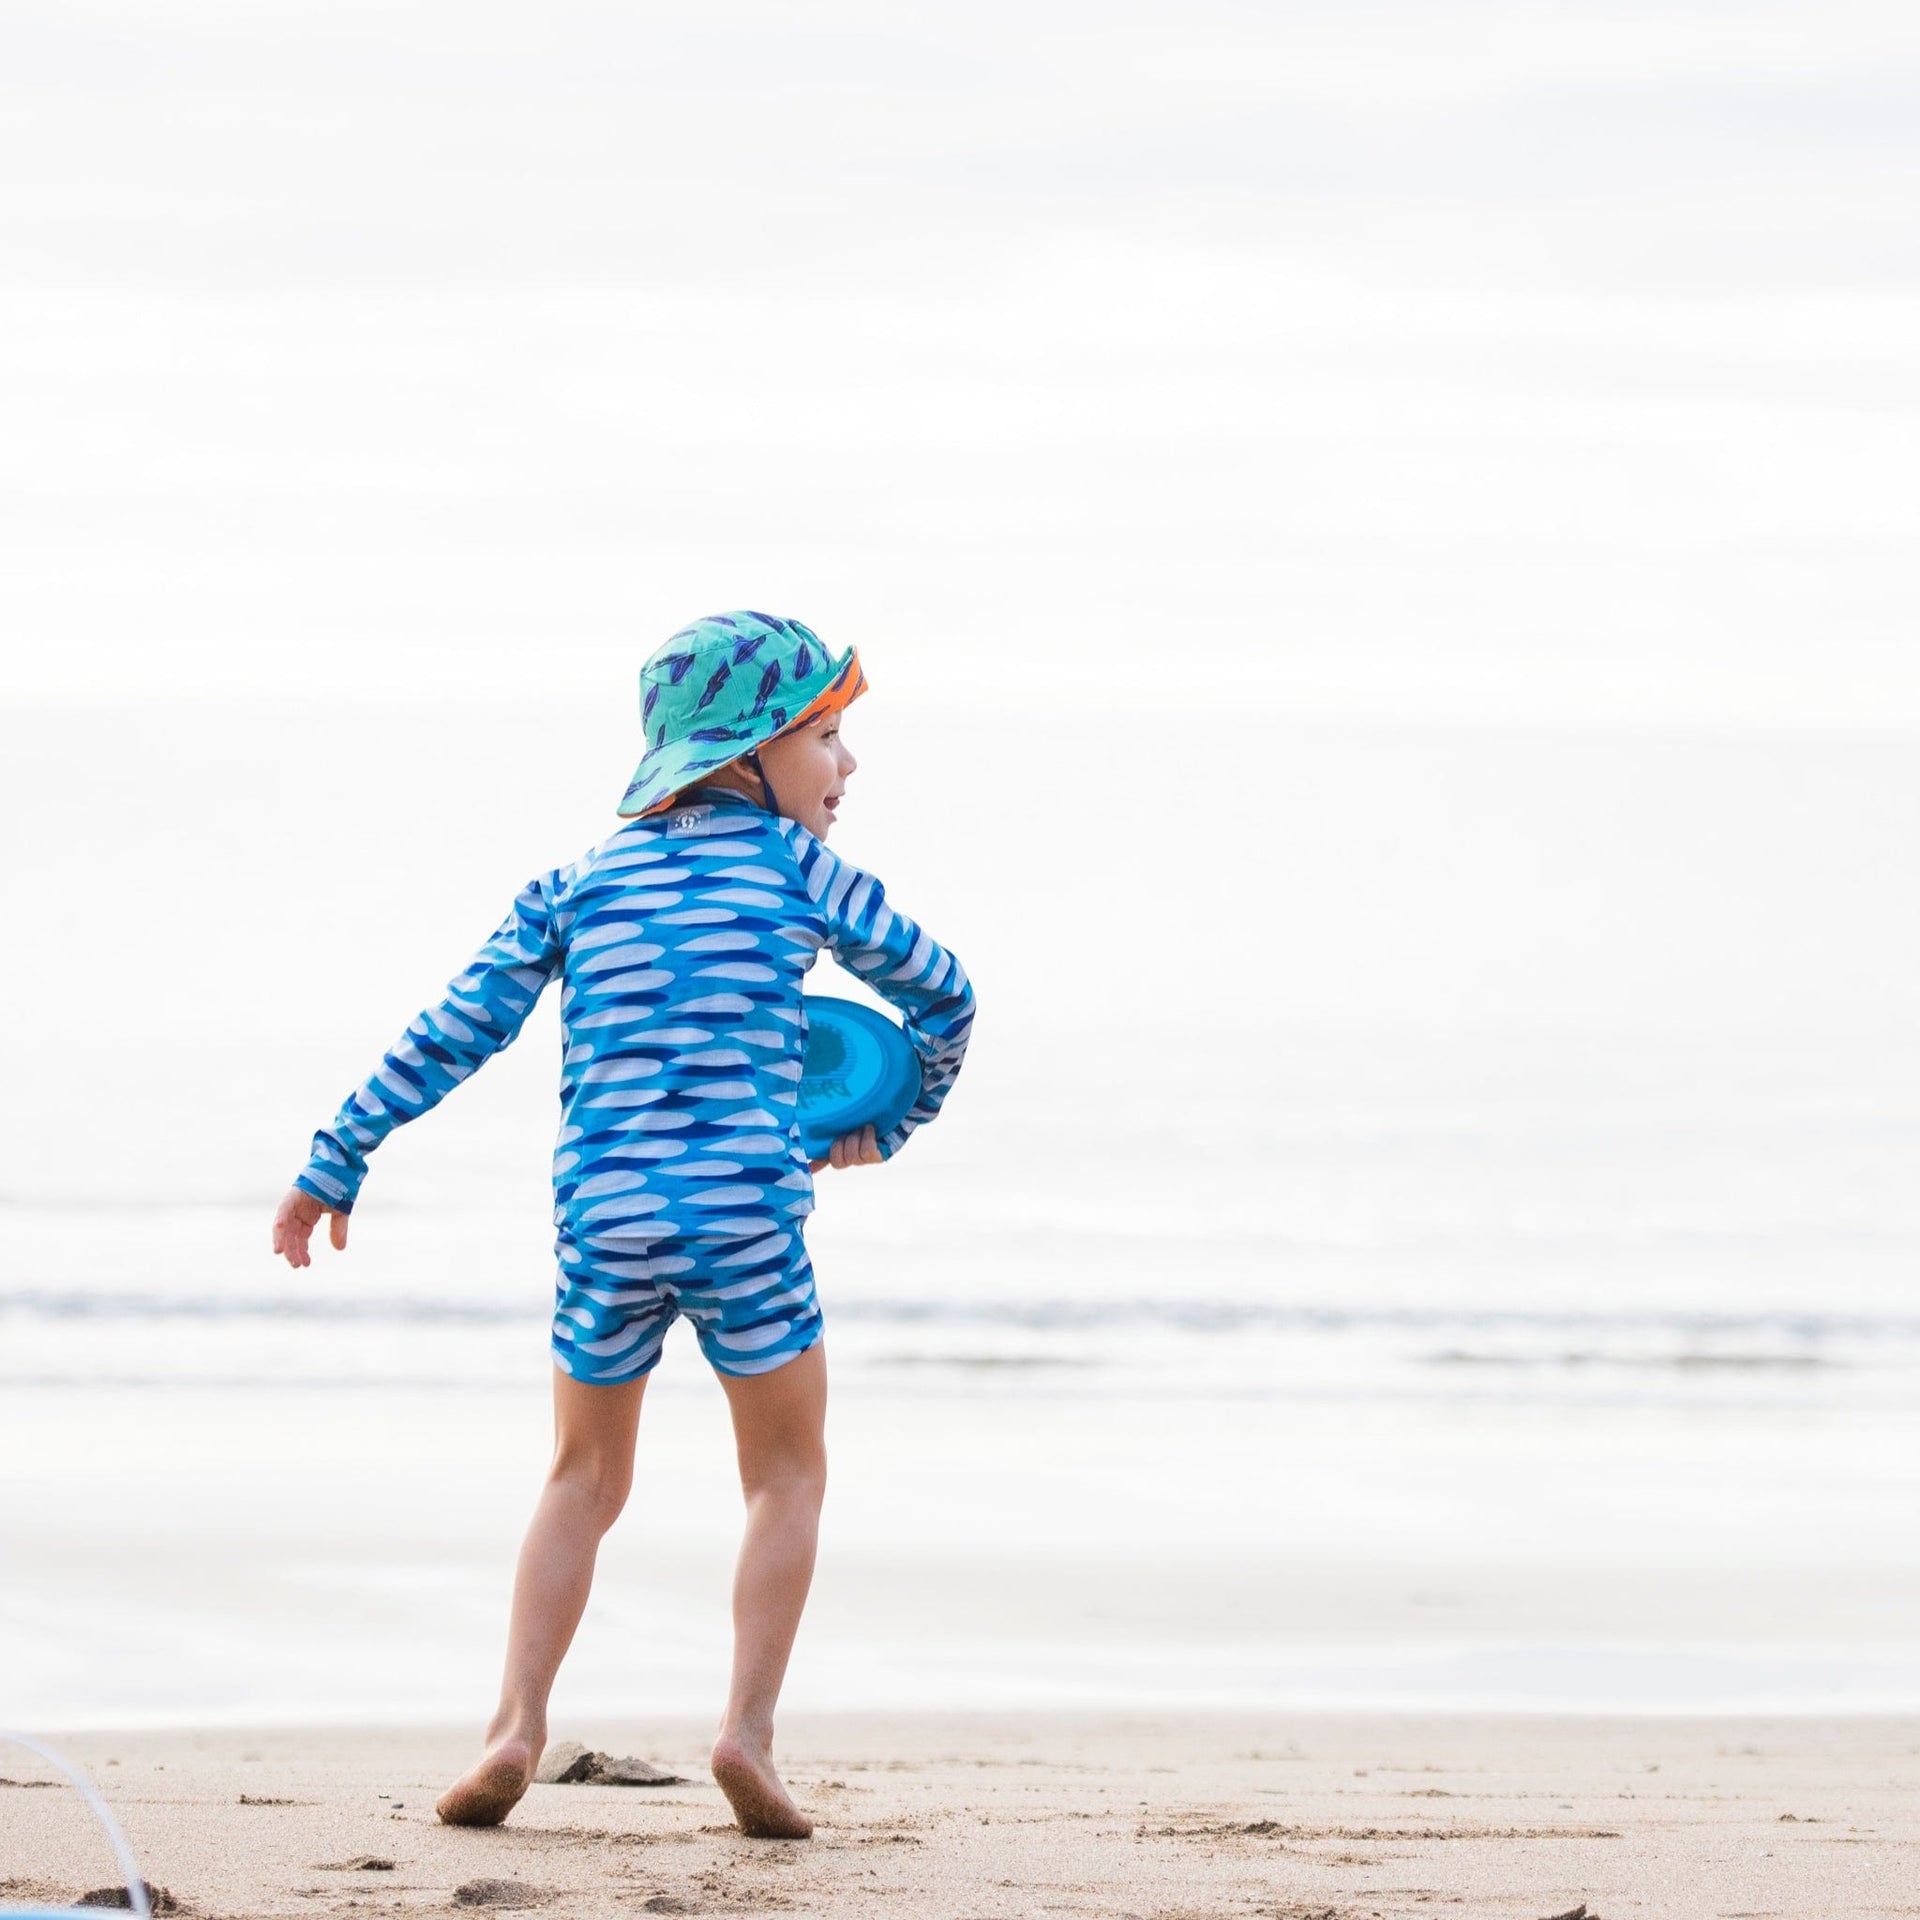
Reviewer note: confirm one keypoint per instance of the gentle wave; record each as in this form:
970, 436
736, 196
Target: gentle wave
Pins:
1047, 1220
1064, 1315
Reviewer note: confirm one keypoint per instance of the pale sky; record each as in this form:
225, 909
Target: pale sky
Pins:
1427, 362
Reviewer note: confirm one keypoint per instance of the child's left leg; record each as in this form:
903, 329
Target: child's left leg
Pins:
779, 1426
594, 1429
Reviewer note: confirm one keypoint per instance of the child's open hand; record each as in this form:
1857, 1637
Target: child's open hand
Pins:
860, 1149
293, 1226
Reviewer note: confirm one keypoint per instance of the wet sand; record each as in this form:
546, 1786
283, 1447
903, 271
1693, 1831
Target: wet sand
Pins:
948, 1817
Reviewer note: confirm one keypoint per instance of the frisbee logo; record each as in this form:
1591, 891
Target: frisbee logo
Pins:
826, 1061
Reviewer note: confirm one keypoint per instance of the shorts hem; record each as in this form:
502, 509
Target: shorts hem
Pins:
773, 1365
610, 1379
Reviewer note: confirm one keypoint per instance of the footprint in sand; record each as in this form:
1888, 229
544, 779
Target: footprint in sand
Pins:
506, 1894
159, 1900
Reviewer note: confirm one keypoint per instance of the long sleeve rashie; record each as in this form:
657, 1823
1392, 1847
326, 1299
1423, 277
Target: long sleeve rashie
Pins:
681, 942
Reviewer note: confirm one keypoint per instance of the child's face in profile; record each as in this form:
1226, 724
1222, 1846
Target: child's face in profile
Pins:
810, 768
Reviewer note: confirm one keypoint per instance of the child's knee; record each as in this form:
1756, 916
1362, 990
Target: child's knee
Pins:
796, 1473
599, 1486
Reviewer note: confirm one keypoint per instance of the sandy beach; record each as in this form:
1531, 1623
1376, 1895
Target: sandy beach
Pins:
1315, 1819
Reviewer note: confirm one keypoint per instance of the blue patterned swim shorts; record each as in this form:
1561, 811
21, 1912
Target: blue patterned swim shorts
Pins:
750, 1298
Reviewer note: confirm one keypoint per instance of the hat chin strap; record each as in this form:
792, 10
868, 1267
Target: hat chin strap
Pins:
766, 785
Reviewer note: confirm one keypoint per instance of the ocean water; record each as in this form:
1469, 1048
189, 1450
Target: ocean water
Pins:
1427, 1220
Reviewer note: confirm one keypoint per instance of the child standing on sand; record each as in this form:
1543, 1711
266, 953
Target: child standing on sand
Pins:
679, 1182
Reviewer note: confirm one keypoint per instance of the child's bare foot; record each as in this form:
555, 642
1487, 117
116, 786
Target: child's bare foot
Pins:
486, 1795
761, 1805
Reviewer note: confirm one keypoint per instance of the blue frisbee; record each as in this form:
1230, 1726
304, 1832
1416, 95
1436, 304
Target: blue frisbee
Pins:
858, 1072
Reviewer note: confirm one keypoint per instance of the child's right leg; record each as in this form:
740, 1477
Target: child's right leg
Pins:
779, 1425
594, 1430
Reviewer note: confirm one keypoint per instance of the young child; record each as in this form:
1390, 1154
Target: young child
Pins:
679, 1182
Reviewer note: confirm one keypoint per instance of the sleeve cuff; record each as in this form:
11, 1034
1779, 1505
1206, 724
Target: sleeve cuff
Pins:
329, 1192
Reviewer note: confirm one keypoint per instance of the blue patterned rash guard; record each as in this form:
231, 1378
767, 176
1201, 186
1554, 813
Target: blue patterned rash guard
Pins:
681, 942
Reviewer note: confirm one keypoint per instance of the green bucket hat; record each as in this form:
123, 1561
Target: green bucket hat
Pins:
724, 687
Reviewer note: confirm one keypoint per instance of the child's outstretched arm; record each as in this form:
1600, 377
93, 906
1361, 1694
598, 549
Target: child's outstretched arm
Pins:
484, 1008
900, 961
